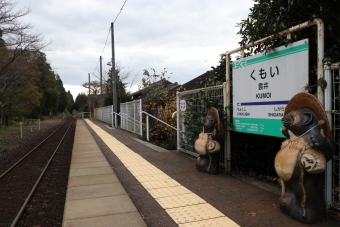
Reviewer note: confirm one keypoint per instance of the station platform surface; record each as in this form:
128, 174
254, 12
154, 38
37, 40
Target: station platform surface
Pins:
96, 196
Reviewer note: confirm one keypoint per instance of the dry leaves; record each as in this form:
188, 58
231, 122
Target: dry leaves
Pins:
252, 213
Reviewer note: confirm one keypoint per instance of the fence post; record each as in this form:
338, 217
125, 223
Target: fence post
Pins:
147, 127
112, 116
178, 113
140, 118
116, 123
134, 117
126, 117
328, 108
122, 116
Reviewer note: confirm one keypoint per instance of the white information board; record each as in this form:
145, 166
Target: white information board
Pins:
263, 85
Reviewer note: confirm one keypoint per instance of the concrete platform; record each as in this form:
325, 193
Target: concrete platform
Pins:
95, 196
182, 205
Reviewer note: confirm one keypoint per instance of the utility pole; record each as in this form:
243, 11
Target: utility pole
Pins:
89, 96
114, 81
101, 82
89, 84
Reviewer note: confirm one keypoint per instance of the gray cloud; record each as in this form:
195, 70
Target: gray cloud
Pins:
185, 36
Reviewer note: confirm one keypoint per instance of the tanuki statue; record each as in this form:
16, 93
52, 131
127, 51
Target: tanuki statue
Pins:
209, 143
302, 160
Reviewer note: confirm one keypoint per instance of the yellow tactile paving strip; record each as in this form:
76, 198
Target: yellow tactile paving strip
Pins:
183, 206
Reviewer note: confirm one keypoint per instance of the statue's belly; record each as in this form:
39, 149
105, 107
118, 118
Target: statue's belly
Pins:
285, 161
286, 158
200, 143
203, 144
312, 161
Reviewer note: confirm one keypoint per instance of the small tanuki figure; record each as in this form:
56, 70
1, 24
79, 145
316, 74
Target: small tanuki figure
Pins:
208, 144
302, 159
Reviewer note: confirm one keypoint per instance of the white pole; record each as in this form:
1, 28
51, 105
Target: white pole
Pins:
134, 117
116, 120
225, 161
20, 129
178, 113
112, 116
140, 118
328, 108
147, 127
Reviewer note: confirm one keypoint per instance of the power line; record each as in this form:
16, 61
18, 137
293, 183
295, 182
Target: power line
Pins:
107, 37
95, 68
120, 11
104, 77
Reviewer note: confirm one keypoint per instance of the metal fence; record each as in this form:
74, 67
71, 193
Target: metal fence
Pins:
335, 71
86, 115
192, 106
104, 114
130, 117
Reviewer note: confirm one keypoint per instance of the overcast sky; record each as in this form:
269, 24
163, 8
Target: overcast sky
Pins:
185, 36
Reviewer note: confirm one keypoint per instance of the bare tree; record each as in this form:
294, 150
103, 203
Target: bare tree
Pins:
124, 75
94, 86
16, 37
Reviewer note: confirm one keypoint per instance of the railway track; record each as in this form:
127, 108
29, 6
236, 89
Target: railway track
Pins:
18, 184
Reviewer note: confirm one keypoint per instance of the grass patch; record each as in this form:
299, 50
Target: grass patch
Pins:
4, 149
10, 136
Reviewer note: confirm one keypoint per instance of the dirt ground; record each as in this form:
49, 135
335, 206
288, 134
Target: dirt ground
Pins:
46, 208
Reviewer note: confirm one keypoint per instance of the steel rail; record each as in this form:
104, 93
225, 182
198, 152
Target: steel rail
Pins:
17, 218
29, 153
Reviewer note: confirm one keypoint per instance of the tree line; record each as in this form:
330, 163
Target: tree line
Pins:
29, 88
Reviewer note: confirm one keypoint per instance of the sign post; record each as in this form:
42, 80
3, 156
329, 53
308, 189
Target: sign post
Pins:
20, 123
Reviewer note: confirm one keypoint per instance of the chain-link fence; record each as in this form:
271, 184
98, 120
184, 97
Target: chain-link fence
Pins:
130, 116
192, 107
